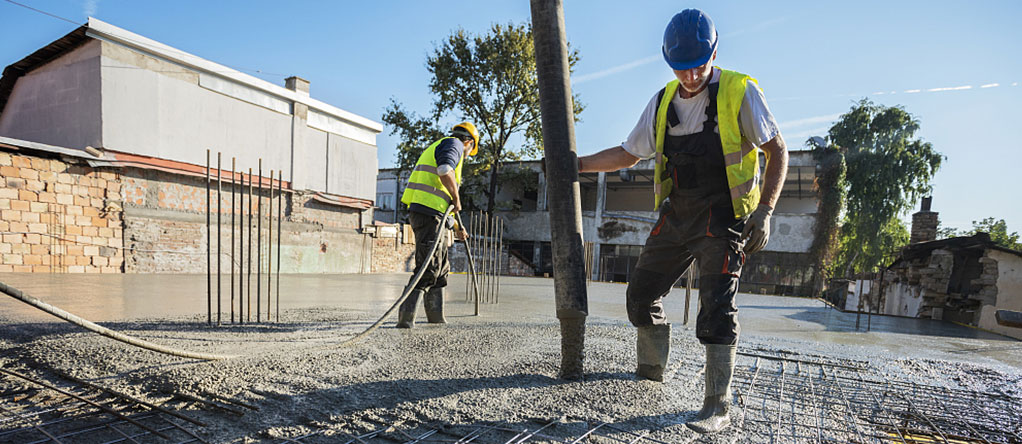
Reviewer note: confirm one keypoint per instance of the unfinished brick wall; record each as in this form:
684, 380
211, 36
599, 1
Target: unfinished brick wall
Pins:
58, 217
391, 255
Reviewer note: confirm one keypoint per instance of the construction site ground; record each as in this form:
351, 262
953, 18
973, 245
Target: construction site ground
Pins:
805, 372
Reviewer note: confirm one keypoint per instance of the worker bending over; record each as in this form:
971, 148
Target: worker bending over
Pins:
705, 129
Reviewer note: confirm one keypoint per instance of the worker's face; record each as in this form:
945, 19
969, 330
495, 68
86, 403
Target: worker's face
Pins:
694, 80
468, 148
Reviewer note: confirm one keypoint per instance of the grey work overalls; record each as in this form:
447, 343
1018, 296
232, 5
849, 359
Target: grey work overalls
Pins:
696, 222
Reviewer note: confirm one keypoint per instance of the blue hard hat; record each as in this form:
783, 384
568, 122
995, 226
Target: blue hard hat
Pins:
689, 40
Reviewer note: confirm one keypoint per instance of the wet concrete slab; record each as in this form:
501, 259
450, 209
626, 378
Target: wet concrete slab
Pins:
108, 298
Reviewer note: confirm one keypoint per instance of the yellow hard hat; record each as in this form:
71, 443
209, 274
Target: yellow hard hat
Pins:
467, 128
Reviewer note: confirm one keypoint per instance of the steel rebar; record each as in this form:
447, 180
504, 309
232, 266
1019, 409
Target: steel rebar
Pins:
219, 212
241, 250
280, 221
269, 249
234, 213
259, 244
209, 259
248, 266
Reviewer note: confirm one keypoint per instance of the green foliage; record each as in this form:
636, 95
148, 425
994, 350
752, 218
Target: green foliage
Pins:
489, 80
888, 170
996, 228
831, 185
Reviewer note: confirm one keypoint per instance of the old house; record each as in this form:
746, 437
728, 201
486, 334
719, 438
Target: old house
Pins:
149, 113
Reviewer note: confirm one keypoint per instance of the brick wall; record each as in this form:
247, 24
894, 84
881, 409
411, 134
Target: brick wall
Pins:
924, 226
58, 217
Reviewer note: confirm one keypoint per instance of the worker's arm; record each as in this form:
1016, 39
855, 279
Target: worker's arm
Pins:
451, 184
776, 170
610, 159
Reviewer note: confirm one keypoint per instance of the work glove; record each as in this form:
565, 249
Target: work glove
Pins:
757, 229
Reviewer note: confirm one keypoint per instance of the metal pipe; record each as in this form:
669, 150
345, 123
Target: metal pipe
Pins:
471, 267
550, 40
280, 221
269, 249
219, 212
248, 266
234, 213
259, 244
209, 259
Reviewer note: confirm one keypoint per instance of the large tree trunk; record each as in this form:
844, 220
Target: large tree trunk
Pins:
562, 181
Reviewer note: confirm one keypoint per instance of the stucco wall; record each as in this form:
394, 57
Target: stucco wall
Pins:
902, 299
350, 168
1009, 292
59, 103
791, 233
158, 109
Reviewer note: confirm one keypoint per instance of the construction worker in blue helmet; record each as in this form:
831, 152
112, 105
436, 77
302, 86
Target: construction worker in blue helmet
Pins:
433, 186
705, 129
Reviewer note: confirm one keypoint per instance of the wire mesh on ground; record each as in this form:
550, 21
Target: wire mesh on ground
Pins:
373, 429
789, 399
33, 411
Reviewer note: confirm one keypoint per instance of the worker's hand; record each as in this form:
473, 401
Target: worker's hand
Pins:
757, 229
461, 234
457, 205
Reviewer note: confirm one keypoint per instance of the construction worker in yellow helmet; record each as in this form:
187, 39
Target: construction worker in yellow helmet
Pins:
705, 129
432, 187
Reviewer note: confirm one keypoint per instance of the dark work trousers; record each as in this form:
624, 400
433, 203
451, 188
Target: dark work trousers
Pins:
435, 276
696, 222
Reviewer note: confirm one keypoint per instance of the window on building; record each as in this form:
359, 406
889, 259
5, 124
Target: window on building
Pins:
385, 201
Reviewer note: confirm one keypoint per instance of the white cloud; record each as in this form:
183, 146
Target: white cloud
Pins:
799, 136
90, 7
990, 85
950, 88
616, 69
809, 121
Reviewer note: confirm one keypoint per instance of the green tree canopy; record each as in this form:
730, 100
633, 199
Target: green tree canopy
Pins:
888, 170
489, 80
996, 228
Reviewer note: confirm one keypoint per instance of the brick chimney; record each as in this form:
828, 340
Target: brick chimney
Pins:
924, 223
295, 83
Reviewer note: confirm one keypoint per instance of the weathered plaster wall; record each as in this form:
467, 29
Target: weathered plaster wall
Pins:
59, 103
791, 233
1009, 292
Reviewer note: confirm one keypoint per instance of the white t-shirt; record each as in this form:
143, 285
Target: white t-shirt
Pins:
755, 121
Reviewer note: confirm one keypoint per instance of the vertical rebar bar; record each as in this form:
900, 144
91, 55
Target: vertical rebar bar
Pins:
209, 259
241, 248
234, 213
248, 266
858, 311
688, 290
269, 249
500, 261
219, 212
280, 210
259, 244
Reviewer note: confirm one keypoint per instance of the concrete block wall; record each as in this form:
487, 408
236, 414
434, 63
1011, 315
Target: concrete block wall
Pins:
58, 217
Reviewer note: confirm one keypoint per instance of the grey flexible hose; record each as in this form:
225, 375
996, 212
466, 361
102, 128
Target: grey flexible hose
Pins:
91, 326
441, 231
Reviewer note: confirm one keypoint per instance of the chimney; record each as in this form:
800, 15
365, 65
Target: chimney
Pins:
295, 83
924, 223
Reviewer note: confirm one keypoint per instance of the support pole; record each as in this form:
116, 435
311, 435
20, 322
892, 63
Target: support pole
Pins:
563, 198
209, 259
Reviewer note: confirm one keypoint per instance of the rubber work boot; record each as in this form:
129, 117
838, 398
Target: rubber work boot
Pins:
434, 303
720, 365
406, 314
652, 347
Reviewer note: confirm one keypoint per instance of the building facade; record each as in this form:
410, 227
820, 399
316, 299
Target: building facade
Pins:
152, 114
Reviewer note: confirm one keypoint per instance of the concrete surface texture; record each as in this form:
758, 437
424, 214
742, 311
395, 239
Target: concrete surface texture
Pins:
497, 368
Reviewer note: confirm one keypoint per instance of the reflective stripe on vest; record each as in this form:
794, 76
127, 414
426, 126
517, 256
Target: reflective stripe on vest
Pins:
424, 185
741, 163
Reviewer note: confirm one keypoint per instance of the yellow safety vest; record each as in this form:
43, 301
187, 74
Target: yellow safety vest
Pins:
741, 163
424, 186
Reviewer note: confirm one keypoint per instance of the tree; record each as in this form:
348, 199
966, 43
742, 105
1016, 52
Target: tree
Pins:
996, 228
888, 170
490, 80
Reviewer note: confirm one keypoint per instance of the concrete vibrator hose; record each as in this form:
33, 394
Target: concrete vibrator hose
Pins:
91, 326
440, 238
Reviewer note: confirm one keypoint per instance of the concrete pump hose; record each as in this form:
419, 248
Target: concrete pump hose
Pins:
441, 230
88, 325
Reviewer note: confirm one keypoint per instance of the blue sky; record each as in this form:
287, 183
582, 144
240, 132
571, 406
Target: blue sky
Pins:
956, 68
